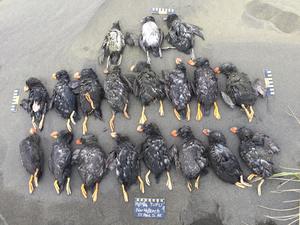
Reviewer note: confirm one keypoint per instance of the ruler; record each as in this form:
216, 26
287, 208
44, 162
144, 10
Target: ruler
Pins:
163, 11
269, 82
15, 100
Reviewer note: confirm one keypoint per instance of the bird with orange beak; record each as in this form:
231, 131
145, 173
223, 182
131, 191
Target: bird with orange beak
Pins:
191, 156
60, 160
37, 103
90, 160
91, 94
32, 158
64, 99
256, 150
239, 89
179, 90
223, 162
205, 87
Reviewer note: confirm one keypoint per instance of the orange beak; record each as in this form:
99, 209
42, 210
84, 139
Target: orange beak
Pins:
206, 132
32, 130
217, 70
53, 76
140, 128
191, 62
54, 134
178, 60
78, 142
234, 130
77, 76
174, 133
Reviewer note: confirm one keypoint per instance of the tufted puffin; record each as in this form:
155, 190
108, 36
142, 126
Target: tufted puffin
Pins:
179, 90
205, 87
223, 161
125, 158
63, 99
192, 156
117, 89
151, 38
113, 46
90, 93
90, 160
156, 155
181, 35
148, 87
37, 103
60, 160
256, 150
239, 89
32, 158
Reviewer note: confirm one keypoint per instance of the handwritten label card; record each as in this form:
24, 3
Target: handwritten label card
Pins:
149, 207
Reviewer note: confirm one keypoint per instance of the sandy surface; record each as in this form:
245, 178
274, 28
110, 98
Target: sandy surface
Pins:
40, 37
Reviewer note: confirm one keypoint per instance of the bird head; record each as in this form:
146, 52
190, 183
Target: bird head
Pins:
139, 67
63, 135
184, 132
85, 74
243, 133
31, 83
226, 68
180, 65
147, 19
170, 18
200, 61
61, 75
87, 139
116, 25
214, 136
148, 128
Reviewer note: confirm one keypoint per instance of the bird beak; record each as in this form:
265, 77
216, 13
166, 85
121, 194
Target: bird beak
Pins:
217, 70
132, 68
113, 134
206, 132
140, 128
32, 130
78, 141
165, 18
77, 75
174, 133
26, 88
54, 134
191, 62
53, 76
234, 130
178, 60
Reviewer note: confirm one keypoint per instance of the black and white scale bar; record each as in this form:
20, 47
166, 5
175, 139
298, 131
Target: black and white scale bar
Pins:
269, 82
162, 11
15, 100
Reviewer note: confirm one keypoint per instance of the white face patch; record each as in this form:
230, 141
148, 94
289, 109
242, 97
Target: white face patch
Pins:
150, 33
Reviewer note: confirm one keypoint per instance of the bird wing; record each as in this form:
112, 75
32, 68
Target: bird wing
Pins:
195, 30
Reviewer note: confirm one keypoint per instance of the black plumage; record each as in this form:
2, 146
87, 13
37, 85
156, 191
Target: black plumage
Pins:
221, 159
125, 158
192, 156
151, 38
239, 89
60, 160
91, 94
117, 89
179, 90
90, 160
32, 158
64, 99
205, 87
148, 87
37, 103
256, 150
156, 155
181, 35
